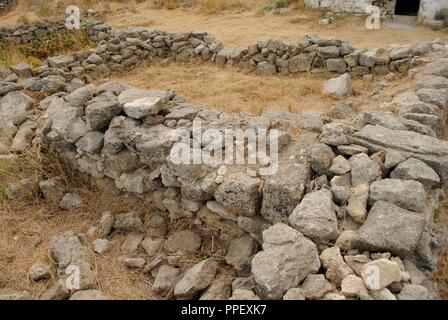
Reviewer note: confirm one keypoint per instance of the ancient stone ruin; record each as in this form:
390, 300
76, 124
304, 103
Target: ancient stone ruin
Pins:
356, 201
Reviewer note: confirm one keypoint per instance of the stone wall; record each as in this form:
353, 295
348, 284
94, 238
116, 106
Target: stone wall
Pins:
363, 192
41, 32
120, 50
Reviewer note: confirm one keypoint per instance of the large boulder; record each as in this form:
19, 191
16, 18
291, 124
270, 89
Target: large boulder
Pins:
287, 259
408, 194
239, 194
14, 107
413, 169
315, 216
99, 114
283, 191
340, 86
392, 229
364, 170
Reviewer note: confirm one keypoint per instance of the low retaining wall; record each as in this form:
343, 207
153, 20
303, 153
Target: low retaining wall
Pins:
120, 50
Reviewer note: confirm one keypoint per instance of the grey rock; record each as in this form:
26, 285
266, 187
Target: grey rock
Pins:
129, 221
152, 246
357, 202
58, 291
413, 292
392, 229
81, 96
340, 166
99, 114
239, 194
11, 295
52, 190
22, 70
106, 223
321, 157
336, 268
287, 259
364, 170
220, 289
392, 159
315, 216
134, 263
340, 86
380, 273
131, 243
438, 67
353, 286
430, 150
183, 241
283, 191
239, 252
316, 286
38, 272
413, 169
431, 82
89, 295
102, 246
265, 69
310, 120
166, 279
14, 107
91, 143
408, 194
335, 134
294, 294
196, 279
70, 201
143, 107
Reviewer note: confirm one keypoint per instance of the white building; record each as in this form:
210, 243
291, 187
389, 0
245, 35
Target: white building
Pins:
423, 9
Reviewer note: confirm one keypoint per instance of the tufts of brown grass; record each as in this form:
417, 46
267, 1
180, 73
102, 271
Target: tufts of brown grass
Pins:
33, 53
29, 216
231, 90
440, 274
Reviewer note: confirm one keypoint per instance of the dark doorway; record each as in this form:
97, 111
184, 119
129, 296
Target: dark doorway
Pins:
407, 7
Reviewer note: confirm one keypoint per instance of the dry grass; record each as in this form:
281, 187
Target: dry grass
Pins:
238, 28
37, 51
231, 90
30, 215
440, 274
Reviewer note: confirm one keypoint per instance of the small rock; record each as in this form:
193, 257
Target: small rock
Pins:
380, 273
340, 166
353, 286
340, 86
130, 221
70, 202
134, 262
316, 286
197, 278
39, 271
294, 294
57, 292
102, 246
106, 224
183, 241
166, 278
152, 246
89, 295
131, 243
413, 292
